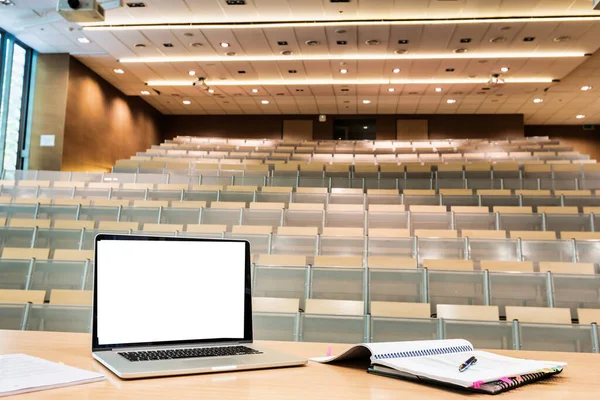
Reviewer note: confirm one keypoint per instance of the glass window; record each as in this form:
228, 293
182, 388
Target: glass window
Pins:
14, 108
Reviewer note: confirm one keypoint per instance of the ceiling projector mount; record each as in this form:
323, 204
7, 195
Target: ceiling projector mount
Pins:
496, 80
82, 11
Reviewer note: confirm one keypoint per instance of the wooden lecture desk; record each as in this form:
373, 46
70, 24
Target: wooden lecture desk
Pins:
579, 380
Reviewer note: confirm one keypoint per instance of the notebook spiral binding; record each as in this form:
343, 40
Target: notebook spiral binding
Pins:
426, 352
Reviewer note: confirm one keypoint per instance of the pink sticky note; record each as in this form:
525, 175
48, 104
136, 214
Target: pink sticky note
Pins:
328, 351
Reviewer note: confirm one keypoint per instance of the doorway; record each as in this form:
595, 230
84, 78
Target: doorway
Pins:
354, 129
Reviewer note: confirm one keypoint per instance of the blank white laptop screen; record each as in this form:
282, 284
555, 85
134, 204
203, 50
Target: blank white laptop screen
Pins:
158, 291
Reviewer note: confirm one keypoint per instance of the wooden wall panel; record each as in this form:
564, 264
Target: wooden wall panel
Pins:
412, 129
49, 110
298, 129
102, 124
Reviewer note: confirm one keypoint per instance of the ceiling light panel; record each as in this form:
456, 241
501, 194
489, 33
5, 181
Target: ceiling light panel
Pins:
358, 82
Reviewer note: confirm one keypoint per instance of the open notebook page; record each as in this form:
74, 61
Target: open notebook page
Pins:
20, 373
390, 349
489, 367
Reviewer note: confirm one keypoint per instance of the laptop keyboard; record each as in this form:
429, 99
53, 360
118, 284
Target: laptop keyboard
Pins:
175, 354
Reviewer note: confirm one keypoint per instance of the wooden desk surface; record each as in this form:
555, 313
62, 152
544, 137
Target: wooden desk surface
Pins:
580, 380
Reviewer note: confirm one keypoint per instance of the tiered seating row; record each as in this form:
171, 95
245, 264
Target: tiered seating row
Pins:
319, 325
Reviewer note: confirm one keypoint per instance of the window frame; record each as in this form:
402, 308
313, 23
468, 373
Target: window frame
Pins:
7, 43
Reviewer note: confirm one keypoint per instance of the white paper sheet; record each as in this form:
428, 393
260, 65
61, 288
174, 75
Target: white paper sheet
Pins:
20, 373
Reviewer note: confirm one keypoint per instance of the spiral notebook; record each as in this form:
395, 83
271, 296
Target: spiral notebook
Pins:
437, 362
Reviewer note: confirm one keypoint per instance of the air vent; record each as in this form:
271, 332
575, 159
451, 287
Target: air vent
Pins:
292, 71
339, 1
449, 69
403, 41
168, 44
342, 42
299, 90
282, 43
241, 72
465, 40
236, 2
529, 39
136, 5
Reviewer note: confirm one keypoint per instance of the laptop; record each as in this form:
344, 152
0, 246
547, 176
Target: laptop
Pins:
174, 306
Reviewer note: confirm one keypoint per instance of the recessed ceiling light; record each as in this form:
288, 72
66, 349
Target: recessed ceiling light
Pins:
196, 44
287, 53
401, 51
211, 90
586, 88
438, 89
119, 71
343, 71
498, 39
145, 92
192, 73
313, 42
231, 54
396, 70
372, 42
537, 101
365, 127
580, 116
140, 45
187, 102
224, 44
188, 34
366, 101
254, 90
84, 40
561, 39
461, 50
265, 101
451, 101
391, 90
504, 69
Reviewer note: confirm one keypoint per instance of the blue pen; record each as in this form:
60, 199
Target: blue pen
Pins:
465, 366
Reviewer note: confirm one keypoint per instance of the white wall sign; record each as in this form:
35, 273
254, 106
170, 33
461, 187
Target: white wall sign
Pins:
47, 140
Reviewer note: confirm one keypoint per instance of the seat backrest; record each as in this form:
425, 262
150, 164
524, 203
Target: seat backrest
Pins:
252, 229
227, 205
557, 210
339, 261
557, 267
72, 202
389, 262
440, 233
580, 235
469, 210
427, 209
483, 234
306, 206
298, 230
20, 253
533, 235
334, 307
335, 231
468, 312
507, 266
405, 310
346, 207
513, 210
118, 226
448, 265
388, 232
29, 223
387, 207
150, 203
588, 316
70, 224
259, 205
73, 255
22, 296
206, 228
165, 228
285, 260
276, 189
271, 304
71, 297
188, 204
539, 314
